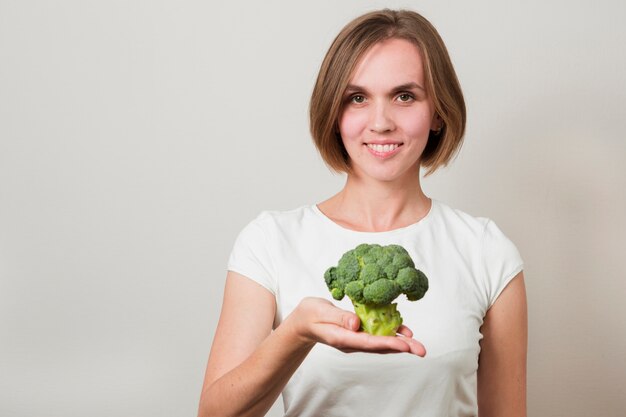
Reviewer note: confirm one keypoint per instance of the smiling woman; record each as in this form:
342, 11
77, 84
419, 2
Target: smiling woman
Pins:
429, 75
387, 115
386, 103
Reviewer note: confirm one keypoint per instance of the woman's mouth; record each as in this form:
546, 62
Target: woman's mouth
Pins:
383, 151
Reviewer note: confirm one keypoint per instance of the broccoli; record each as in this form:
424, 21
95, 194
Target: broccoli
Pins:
372, 276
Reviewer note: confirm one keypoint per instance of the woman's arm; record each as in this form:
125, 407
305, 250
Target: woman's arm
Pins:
249, 365
502, 362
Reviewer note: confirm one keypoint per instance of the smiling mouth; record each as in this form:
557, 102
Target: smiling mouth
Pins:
383, 150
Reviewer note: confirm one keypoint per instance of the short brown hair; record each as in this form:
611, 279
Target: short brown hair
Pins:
442, 84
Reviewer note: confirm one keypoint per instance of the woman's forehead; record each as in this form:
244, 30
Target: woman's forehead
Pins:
393, 61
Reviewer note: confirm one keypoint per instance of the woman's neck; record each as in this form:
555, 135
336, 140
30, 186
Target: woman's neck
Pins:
375, 206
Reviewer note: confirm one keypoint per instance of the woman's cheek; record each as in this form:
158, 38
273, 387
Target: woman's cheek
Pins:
415, 124
352, 124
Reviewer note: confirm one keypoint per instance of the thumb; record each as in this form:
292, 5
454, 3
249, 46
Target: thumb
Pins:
327, 312
351, 321
346, 319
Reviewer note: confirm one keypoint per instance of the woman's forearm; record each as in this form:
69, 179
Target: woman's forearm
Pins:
251, 388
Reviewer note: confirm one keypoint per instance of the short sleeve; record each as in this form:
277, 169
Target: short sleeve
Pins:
502, 261
251, 257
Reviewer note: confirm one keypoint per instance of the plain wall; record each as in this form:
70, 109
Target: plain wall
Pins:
138, 137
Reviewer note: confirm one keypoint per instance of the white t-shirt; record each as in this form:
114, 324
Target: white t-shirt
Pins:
468, 262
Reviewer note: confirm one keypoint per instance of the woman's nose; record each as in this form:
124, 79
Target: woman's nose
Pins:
380, 119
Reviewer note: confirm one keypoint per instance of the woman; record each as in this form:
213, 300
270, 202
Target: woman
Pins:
386, 103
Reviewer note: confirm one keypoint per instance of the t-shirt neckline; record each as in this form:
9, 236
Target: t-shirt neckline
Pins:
420, 223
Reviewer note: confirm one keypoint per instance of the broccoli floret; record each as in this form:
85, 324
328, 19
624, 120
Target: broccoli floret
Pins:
372, 276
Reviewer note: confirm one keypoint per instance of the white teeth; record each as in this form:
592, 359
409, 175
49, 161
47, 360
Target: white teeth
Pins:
382, 148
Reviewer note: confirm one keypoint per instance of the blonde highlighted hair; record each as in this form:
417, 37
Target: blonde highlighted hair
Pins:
442, 84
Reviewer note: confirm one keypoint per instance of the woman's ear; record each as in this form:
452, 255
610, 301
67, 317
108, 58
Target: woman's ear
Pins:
436, 124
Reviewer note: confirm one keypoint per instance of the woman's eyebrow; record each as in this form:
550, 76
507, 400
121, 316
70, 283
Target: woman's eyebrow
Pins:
410, 86
352, 88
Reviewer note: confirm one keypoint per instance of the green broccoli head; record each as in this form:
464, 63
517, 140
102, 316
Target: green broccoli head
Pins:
372, 276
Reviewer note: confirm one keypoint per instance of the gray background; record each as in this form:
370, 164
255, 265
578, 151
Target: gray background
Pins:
138, 137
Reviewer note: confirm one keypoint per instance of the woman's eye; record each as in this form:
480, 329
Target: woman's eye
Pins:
357, 99
405, 97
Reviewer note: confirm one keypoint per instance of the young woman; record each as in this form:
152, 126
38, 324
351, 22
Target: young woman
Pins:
386, 103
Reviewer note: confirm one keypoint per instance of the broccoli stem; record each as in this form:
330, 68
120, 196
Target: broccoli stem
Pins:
378, 320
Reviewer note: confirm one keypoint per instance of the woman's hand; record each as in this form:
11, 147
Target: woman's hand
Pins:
250, 365
318, 320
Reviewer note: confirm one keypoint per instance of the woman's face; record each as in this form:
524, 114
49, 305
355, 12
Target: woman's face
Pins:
387, 114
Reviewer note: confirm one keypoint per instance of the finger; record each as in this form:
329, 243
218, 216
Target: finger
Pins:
405, 331
364, 342
380, 352
346, 319
354, 323
415, 347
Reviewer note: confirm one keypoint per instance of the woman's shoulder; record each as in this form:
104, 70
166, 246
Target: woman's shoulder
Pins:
473, 230
451, 217
286, 219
